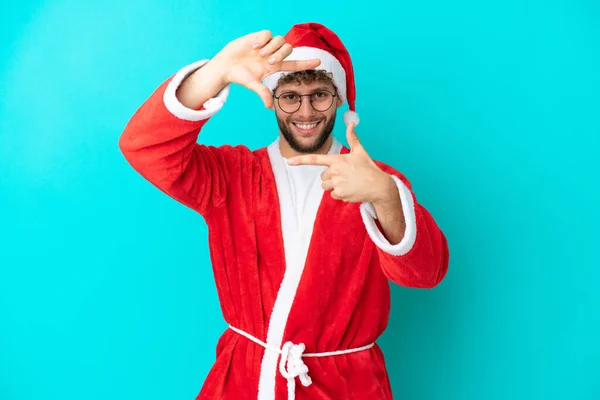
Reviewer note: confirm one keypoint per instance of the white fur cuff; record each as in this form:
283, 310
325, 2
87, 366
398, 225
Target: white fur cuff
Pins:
211, 106
410, 234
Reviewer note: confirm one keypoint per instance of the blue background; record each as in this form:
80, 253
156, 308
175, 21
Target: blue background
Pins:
491, 109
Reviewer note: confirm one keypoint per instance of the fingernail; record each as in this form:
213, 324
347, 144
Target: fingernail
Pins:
272, 60
255, 46
291, 161
263, 52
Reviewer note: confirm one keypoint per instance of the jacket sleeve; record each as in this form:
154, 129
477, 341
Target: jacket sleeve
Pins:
159, 142
421, 258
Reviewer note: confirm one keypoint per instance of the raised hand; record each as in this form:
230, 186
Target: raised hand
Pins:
250, 58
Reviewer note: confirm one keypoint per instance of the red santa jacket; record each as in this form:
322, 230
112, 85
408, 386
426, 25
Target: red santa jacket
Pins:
323, 282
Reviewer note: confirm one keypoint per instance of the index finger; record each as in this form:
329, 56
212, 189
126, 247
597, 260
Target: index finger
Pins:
313, 159
300, 65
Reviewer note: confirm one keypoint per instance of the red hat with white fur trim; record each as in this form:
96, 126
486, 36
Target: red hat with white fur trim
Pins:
312, 40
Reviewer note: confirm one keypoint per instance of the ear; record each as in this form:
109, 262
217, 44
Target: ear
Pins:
339, 102
274, 100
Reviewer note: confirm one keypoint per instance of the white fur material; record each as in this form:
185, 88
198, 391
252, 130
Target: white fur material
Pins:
328, 63
296, 240
351, 116
410, 234
211, 106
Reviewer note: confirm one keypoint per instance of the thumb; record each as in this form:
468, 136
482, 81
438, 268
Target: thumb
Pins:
263, 92
353, 142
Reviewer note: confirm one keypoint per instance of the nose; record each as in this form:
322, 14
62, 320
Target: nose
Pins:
306, 109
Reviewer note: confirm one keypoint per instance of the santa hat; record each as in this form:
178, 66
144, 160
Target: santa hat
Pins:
312, 40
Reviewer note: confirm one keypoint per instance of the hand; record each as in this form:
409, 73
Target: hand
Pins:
250, 58
352, 177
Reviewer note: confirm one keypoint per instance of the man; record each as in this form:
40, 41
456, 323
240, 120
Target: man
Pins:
304, 234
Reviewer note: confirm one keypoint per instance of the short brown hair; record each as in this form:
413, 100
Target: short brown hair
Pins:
307, 76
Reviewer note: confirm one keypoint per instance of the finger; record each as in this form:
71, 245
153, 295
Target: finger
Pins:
282, 52
326, 174
302, 65
271, 47
313, 159
259, 39
327, 185
335, 195
352, 137
338, 193
263, 92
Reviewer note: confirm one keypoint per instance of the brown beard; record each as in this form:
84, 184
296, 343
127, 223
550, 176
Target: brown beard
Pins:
294, 144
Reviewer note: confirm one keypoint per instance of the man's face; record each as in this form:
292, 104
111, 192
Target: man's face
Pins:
307, 129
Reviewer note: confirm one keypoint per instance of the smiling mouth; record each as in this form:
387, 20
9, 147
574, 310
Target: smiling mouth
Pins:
306, 128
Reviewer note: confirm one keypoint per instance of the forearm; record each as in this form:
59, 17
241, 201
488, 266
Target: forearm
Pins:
201, 85
388, 208
418, 255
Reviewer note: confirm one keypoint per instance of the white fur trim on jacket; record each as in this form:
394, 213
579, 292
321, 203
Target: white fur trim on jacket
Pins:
328, 63
211, 106
369, 216
296, 235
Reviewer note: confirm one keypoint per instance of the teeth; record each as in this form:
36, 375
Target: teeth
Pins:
306, 126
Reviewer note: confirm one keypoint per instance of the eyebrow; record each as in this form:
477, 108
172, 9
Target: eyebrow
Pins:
312, 91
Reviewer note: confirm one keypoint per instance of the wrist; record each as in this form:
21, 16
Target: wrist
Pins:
201, 85
385, 191
220, 69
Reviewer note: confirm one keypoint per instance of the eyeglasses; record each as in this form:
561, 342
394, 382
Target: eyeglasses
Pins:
290, 102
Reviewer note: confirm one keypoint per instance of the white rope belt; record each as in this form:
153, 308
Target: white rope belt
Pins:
291, 364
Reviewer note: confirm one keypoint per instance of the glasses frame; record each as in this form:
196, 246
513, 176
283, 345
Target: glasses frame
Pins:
333, 95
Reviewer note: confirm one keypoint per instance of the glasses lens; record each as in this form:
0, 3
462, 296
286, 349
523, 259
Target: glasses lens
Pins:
321, 101
289, 102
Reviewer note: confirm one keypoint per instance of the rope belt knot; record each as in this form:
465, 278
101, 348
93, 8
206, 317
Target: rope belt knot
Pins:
291, 365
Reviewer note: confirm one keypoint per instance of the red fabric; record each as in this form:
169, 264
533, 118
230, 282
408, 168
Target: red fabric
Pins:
343, 300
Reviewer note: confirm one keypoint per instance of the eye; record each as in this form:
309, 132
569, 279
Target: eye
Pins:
289, 96
321, 95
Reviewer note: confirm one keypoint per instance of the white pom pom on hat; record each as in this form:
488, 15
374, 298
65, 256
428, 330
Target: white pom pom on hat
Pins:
312, 40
